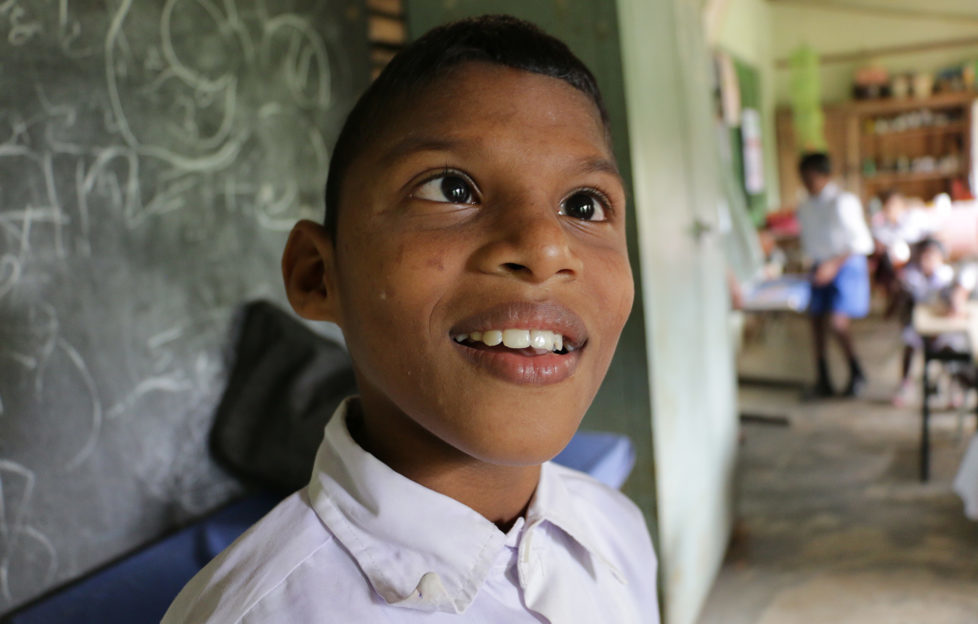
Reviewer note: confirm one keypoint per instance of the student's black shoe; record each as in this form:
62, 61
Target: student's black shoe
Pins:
857, 385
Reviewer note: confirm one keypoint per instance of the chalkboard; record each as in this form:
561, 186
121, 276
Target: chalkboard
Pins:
153, 156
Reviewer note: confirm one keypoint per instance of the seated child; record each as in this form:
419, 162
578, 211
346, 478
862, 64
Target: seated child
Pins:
929, 279
473, 254
895, 228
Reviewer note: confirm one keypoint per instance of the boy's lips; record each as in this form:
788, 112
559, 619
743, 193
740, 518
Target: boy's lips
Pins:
523, 342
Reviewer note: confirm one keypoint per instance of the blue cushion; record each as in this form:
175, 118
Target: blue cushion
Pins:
607, 457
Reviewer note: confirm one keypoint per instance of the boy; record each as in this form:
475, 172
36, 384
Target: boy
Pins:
473, 254
835, 237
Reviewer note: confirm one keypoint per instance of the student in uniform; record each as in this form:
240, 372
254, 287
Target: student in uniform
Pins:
895, 228
834, 236
473, 253
930, 280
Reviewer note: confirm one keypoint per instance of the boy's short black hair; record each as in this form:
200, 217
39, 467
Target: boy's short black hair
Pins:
498, 39
815, 162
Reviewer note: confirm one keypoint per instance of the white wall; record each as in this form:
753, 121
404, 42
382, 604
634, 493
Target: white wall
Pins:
676, 185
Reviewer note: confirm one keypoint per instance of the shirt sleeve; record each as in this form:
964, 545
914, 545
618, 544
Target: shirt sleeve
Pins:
967, 277
858, 239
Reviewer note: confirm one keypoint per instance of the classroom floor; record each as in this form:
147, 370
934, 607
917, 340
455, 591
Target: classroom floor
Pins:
833, 524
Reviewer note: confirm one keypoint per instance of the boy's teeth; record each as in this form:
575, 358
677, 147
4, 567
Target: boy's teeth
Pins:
542, 339
516, 338
492, 337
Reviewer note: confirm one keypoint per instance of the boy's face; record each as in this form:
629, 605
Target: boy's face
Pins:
893, 208
931, 259
814, 181
491, 202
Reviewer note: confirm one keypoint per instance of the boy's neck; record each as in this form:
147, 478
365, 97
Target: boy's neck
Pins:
500, 493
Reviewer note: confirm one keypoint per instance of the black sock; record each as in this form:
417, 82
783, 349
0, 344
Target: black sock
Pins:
823, 371
855, 370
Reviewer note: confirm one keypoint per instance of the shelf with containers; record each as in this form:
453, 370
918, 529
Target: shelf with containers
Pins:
917, 146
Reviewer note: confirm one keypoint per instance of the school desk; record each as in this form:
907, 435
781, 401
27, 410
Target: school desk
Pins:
930, 322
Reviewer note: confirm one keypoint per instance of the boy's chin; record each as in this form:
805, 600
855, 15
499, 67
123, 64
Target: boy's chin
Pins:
518, 430
519, 448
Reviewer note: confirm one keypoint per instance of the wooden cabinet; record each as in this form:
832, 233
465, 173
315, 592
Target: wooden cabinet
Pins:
915, 146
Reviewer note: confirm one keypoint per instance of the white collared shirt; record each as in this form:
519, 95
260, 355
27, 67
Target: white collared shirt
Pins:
363, 543
832, 224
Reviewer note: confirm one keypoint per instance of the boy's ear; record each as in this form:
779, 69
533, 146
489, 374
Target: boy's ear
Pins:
307, 264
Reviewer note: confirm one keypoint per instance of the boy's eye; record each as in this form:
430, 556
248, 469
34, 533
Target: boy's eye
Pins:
585, 206
448, 188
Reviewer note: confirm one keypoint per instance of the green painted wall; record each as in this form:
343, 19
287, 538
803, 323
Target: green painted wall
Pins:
745, 31
749, 79
591, 31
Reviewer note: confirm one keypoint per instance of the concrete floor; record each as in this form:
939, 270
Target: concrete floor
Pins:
833, 524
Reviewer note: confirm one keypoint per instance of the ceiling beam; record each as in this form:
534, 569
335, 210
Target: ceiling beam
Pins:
909, 48
876, 10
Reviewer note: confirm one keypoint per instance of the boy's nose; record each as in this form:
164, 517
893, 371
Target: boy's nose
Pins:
531, 244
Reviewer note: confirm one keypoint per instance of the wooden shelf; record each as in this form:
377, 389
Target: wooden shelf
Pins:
957, 127
911, 176
885, 106
850, 145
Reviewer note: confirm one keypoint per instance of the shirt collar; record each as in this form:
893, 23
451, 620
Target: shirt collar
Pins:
418, 548
830, 190
552, 502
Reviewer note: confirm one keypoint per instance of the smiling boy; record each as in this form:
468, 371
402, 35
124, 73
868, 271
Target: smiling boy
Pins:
474, 256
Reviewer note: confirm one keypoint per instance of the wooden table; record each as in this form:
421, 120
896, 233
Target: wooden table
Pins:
930, 322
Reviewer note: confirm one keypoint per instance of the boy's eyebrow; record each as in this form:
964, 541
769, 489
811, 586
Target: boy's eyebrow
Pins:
428, 144
600, 165
417, 144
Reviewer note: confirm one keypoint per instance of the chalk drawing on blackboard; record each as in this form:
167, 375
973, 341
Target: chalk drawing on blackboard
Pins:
22, 27
174, 383
152, 156
288, 49
33, 347
16, 535
96, 409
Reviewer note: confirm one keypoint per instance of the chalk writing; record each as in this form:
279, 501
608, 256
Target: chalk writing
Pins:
18, 539
22, 26
151, 156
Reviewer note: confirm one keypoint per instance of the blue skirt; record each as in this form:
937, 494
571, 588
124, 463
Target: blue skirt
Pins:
847, 294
